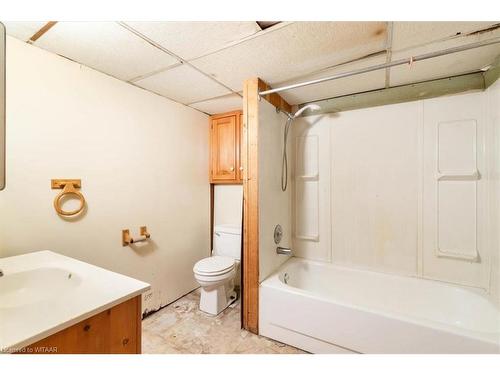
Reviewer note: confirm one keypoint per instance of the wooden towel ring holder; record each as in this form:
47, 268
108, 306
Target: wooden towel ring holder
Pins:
68, 189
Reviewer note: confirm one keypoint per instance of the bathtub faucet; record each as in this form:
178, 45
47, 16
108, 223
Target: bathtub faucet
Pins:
284, 251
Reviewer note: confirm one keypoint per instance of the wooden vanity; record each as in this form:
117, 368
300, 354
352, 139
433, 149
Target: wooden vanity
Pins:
79, 308
113, 331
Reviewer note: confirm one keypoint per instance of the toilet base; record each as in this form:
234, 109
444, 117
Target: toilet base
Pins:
214, 300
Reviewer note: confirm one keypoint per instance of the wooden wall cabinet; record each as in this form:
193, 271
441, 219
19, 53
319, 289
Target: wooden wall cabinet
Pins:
225, 145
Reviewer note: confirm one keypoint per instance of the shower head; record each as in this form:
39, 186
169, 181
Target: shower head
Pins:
312, 107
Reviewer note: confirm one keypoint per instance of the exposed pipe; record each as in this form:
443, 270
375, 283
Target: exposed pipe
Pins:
372, 68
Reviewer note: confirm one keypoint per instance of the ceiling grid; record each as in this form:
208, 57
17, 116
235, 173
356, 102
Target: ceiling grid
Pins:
203, 64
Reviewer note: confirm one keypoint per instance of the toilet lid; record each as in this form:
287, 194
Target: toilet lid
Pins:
214, 265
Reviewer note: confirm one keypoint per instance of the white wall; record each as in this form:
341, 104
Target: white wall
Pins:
228, 204
493, 147
372, 195
274, 204
142, 160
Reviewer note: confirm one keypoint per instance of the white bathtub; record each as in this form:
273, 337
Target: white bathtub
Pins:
324, 308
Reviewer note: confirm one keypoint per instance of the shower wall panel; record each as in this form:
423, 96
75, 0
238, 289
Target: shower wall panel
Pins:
405, 188
274, 204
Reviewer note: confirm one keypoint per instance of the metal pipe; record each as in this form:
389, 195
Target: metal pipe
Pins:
284, 251
372, 68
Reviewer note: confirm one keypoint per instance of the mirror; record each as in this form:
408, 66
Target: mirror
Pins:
2, 106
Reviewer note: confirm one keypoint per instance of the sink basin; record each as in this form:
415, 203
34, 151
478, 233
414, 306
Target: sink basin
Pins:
42, 293
35, 285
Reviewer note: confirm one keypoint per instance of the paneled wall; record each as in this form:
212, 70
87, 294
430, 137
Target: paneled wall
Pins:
310, 191
455, 198
274, 204
143, 160
403, 188
493, 159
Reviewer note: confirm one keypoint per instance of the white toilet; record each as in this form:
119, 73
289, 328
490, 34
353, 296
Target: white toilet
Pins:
216, 274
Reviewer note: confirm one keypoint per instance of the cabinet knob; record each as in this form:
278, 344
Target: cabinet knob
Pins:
241, 168
231, 169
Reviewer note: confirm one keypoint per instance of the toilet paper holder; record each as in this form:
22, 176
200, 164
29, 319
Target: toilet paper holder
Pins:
127, 239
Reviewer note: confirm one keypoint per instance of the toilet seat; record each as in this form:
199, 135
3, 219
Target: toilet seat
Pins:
214, 266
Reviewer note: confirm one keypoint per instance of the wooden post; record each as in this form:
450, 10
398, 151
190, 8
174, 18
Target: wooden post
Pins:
250, 205
250, 163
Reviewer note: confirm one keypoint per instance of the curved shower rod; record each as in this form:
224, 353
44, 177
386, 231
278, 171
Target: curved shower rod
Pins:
409, 60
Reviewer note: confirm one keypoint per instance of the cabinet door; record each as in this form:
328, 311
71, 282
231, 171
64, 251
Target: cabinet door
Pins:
113, 331
224, 139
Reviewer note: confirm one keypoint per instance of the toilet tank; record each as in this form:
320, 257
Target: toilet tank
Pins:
227, 240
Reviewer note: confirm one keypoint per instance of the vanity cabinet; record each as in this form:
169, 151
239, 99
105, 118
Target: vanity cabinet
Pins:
116, 330
225, 148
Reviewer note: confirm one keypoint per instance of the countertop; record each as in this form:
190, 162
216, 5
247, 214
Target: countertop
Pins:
43, 292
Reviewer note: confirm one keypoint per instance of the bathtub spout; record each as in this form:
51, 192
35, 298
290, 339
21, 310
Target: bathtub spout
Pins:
284, 251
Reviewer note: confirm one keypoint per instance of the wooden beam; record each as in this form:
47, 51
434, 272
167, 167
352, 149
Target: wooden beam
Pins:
42, 31
250, 163
275, 99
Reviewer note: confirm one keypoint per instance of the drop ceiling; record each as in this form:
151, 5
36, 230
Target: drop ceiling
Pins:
203, 64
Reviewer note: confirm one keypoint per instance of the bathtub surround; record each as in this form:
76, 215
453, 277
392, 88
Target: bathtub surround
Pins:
405, 176
395, 216
274, 204
493, 144
142, 160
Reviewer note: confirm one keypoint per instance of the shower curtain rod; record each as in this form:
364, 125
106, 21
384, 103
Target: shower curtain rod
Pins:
372, 68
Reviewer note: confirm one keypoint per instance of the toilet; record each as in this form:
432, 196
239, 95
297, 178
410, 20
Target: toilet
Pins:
216, 274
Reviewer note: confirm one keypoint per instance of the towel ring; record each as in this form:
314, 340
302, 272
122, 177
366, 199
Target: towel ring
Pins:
69, 189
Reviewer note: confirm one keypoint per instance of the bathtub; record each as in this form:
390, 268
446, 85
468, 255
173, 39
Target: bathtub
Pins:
323, 308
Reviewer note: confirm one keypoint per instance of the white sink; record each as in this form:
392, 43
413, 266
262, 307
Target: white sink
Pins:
42, 293
32, 286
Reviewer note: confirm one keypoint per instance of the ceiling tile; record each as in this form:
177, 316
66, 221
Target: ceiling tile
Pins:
221, 104
23, 30
194, 39
339, 87
445, 66
294, 50
412, 34
105, 46
183, 84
